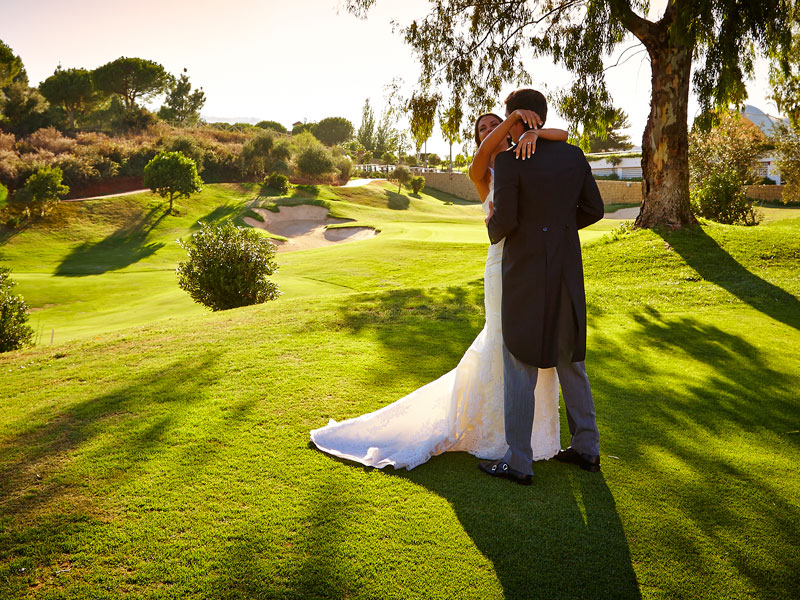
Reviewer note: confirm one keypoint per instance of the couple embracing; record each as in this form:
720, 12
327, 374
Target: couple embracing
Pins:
501, 401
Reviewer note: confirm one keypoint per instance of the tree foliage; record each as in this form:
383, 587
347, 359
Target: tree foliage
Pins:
612, 138
273, 125
71, 89
24, 109
182, 105
450, 120
131, 79
721, 162
387, 138
228, 267
10, 65
787, 146
14, 331
402, 175
475, 48
366, 131
172, 175
333, 130
422, 114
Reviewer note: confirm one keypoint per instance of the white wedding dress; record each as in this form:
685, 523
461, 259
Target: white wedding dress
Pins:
461, 411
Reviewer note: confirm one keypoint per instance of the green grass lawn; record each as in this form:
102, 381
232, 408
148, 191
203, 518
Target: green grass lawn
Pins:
169, 459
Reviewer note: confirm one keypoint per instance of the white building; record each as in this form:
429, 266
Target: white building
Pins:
766, 123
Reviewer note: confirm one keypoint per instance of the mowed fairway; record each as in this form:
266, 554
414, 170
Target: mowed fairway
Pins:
159, 450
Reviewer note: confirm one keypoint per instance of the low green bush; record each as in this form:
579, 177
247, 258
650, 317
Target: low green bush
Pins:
721, 197
417, 183
42, 190
228, 267
14, 330
278, 182
314, 161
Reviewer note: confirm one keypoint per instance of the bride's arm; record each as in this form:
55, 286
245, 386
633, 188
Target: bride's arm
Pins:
479, 169
527, 142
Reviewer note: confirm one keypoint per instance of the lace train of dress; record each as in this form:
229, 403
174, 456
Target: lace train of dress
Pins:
461, 411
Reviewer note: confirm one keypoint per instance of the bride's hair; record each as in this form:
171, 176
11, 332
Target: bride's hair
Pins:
478, 122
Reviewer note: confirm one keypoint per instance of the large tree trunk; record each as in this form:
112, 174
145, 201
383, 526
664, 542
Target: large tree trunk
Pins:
665, 144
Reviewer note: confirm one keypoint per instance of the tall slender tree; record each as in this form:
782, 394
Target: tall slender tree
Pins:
422, 114
450, 123
475, 47
366, 132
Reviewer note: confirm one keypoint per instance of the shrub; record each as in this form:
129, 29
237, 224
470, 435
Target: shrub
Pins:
262, 154
314, 161
50, 139
14, 331
417, 183
345, 167
278, 182
3, 196
721, 198
273, 125
7, 141
228, 267
41, 191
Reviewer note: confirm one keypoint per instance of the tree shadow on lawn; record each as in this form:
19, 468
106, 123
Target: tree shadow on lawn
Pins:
724, 519
140, 422
696, 443
704, 254
122, 248
444, 197
430, 328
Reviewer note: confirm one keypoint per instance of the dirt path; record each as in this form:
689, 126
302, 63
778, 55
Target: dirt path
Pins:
305, 227
624, 213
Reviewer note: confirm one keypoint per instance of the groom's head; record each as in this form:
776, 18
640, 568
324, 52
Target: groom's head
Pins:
527, 99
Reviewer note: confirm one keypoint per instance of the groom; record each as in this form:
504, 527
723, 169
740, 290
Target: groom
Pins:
539, 206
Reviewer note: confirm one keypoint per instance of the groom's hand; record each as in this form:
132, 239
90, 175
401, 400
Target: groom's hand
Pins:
491, 212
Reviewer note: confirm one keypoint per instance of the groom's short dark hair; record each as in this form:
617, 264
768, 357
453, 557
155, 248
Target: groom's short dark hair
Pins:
528, 99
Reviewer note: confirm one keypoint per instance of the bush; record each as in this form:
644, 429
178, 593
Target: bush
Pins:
3, 196
50, 139
14, 331
417, 183
314, 161
41, 191
345, 167
721, 198
278, 182
228, 267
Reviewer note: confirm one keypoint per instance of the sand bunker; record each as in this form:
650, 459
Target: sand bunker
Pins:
305, 227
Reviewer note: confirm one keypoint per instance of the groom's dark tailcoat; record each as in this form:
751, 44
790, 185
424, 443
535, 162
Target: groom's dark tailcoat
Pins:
539, 206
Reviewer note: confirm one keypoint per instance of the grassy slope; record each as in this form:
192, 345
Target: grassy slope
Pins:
106, 265
171, 460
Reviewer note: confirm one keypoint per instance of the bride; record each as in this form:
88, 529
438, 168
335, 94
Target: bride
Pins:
463, 410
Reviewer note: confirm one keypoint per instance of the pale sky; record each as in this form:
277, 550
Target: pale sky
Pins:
280, 60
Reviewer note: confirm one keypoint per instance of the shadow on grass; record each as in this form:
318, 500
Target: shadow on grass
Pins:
715, 264
442, 321
445, 197
122, 248
697, 425
560, 538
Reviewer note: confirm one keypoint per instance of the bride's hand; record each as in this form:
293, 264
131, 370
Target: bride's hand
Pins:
529, 117
491, 212
527, 144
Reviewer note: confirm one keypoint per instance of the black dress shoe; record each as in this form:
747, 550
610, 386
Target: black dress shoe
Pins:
584, 461
499, 468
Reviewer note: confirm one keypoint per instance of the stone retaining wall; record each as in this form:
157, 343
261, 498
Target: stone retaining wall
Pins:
613, 192
457, 184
